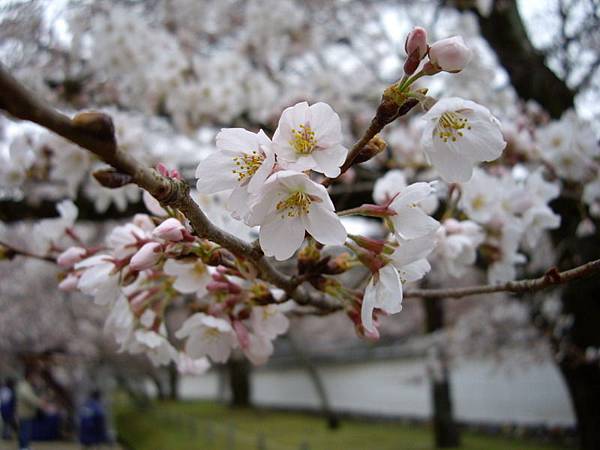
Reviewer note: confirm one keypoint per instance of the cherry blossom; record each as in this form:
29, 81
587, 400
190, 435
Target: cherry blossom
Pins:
190, 275
406, 264
289, 205
459, 134
207, 336
310, 137
450, 54
457, 245
269, 321
243, 163
409, 220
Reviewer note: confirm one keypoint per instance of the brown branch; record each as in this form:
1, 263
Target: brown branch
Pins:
95, 132
9, 252
387, 112
551, 278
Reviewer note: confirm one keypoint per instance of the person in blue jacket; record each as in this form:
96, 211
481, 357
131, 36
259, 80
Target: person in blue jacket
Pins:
92, 421
8, 405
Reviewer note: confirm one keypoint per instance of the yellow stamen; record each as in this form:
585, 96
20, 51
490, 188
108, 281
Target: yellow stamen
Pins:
303, 140
247, 164
452, 125
295, 205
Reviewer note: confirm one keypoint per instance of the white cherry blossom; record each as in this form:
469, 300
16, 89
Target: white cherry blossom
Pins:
98, 278
310, 137
392, 184
189, 366
457, 246
269, 321
243, 163
152, 344
190, 275
290, 204
207, 336
410, 221
458, 135
408, 263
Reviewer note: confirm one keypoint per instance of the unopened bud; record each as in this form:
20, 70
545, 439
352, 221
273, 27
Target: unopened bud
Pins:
373, 245
416, 42
112, 179
243, 336
97, 123
170, 230
69, 283
450, 54
416, 49
375, 146
6, 253
261, 294
146, 257
340, 264
308, 257
70, 257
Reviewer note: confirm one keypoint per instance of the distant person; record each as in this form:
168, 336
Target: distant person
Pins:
8, 405
92, 422
27, 405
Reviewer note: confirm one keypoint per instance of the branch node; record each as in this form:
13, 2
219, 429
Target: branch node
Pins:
98, 124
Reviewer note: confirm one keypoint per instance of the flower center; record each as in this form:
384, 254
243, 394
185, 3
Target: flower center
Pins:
247, 164
451, 126
295, 205
303, 140
478, 202
199, 269
211, 334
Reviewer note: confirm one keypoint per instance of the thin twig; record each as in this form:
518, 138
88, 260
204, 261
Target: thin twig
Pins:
551, 278
387, 112
10, 252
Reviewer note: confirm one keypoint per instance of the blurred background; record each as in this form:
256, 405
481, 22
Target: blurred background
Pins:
493, 372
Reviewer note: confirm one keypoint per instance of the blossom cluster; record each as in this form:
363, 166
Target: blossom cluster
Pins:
146, 265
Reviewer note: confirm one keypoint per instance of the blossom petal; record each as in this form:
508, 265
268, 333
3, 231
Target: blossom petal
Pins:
281, 237
324, 225
215, 173
413, 222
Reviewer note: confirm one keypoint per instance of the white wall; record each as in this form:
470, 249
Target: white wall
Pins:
482, 391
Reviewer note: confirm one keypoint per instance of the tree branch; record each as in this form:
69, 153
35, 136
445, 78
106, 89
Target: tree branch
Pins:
95, 132
551, 278
387, 112
9, 252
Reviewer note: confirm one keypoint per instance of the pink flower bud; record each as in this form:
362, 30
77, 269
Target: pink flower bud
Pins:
416, 42
69, 283
70, 257
242, 334
170, 230
146, 257
450, 54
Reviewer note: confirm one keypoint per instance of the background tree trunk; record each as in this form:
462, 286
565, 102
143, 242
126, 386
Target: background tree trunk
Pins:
239, 382
445, 428
506, 34
333, 421
173, 382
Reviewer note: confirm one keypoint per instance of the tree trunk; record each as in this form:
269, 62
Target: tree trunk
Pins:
505, 32
173, 382
333, 421
239, 382
445, 428
583, 382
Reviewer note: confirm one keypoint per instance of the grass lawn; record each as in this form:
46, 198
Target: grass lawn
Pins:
210, 426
